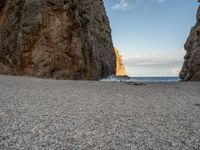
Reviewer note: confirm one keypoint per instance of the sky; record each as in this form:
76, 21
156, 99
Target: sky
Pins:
150, 34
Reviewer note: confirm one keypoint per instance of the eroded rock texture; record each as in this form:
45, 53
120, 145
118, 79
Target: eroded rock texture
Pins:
61, 39
120, 69
191, 66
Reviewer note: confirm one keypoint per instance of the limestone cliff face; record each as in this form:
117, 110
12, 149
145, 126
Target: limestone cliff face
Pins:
61, 39
120, 68
191, 66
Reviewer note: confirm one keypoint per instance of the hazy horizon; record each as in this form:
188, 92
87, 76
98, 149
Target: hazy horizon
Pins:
151, 34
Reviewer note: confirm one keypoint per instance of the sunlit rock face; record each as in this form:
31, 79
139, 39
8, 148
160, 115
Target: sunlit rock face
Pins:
120, 67
191, 66
61, 39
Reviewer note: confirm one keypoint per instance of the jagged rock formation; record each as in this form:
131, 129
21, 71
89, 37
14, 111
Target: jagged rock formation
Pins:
61, 39
191, 66
120, 67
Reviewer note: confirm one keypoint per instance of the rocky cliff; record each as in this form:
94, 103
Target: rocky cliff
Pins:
191, 66
120, 69
61, 39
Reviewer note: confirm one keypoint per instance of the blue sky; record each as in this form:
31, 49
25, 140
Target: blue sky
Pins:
150, 34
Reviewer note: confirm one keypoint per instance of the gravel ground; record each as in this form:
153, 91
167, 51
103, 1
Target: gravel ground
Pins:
73, 115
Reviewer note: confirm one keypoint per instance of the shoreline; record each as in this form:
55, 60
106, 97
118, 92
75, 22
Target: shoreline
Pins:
108, 79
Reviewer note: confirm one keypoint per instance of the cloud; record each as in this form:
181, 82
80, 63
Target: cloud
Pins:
154, 64
175, 71
122, 5
158, 1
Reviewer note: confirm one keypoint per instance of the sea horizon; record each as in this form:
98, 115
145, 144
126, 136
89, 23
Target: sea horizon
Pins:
143, 78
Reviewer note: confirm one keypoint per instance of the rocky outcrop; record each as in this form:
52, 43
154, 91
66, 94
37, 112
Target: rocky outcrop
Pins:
61, 39
120, 67
191, 66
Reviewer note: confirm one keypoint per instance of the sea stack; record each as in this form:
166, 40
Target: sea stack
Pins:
191, 66
60, 39
120, 67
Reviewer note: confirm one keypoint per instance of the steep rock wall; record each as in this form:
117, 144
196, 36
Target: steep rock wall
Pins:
191, 66
61, 39
120, 67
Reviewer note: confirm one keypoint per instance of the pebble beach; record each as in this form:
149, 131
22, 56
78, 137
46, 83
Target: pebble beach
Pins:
76, 115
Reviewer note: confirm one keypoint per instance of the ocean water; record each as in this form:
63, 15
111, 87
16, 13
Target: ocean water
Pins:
142, 79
